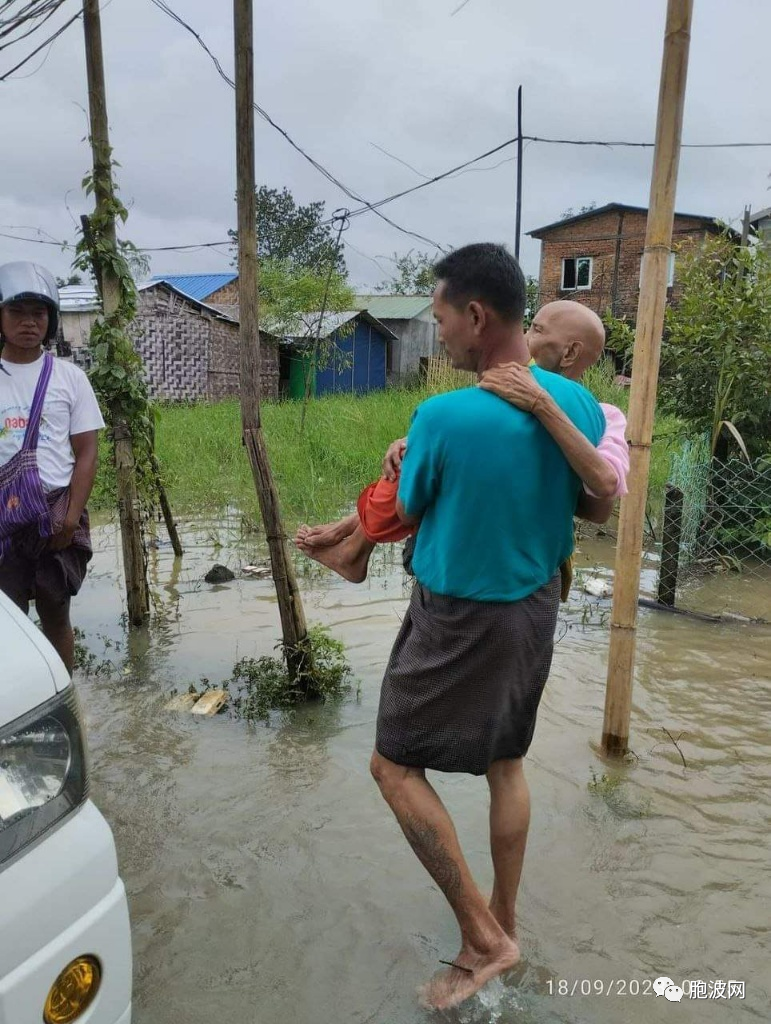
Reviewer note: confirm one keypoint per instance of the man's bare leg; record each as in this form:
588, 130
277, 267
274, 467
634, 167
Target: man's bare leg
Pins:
327, 535
509, 822
57, 629
349, 558
486, 950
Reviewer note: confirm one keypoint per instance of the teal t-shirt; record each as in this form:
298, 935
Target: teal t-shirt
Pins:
495, 493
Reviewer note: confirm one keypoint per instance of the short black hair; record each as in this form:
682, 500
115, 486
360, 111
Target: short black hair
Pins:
484, 272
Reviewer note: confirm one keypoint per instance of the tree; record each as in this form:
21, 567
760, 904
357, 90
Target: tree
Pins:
293, 235
291, 295
717, 346
532, 301
72, 279
414, 275
570, 212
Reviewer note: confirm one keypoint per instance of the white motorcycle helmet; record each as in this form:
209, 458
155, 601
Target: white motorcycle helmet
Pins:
20, 281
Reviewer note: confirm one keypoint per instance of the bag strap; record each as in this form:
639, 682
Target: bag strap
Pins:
33, 426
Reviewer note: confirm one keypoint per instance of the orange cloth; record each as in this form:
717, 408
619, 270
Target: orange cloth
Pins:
377, 511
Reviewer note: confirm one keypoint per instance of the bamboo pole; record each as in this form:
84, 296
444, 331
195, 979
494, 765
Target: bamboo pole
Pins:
645, 370
290, 605
134, 568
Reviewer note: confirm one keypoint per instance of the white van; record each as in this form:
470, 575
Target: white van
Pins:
65, 944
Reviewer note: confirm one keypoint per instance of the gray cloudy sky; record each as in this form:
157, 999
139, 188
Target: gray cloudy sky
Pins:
431, 88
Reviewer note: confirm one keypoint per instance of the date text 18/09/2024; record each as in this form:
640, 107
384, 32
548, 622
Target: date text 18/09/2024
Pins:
664, 986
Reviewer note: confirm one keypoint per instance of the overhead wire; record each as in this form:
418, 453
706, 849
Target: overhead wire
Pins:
51, 39
166, 9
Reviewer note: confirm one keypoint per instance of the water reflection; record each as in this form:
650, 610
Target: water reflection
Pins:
266, 877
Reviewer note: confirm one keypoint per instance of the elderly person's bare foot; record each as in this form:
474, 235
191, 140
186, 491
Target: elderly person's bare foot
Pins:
474, 969
349, 558
327, 535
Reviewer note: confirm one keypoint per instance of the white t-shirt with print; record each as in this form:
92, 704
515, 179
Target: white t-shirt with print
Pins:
70, 407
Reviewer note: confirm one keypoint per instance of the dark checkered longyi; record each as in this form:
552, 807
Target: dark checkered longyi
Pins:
464, 680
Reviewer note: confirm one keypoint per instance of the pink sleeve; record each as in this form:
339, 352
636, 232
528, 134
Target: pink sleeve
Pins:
613, 446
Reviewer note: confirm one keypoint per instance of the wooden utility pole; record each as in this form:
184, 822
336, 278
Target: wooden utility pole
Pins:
290, 606
518, 229
645, 371
134, 567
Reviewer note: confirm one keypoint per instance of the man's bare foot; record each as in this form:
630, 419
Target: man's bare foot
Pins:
453, 986
327, 535
349, 558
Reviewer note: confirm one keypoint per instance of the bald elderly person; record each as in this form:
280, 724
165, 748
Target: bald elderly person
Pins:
566, 338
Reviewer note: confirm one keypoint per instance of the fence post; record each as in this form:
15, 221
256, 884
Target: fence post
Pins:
670, 546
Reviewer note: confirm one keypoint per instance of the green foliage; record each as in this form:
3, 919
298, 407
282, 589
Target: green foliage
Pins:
85, 661
414, 275
533, 299
117, 372
619, 336
608, 788
294, 235
600, 379
262, 685
570, 212
289, 294
717, 348
62, 282
317, 475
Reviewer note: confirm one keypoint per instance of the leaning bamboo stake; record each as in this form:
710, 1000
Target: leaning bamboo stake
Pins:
645, 370
290, 606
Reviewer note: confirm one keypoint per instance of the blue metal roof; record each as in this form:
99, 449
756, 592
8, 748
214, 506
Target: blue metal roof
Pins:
198, 286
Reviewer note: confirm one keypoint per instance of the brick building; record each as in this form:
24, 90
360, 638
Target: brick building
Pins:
595, 257
191, 350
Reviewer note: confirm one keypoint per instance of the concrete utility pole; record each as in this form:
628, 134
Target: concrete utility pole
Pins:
290, 605
645, 371
103, 225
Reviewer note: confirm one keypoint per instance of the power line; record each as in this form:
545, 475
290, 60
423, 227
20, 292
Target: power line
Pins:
51, 39
164, 7
647, 145
39, 13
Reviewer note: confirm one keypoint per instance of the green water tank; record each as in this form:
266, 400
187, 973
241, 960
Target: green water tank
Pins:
300, 368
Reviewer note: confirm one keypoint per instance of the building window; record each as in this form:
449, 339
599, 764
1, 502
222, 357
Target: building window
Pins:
576, 273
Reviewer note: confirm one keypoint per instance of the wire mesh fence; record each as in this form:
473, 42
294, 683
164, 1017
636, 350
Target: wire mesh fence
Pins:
717, 532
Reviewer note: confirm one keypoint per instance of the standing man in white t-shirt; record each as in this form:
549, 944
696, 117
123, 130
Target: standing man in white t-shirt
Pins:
46, 565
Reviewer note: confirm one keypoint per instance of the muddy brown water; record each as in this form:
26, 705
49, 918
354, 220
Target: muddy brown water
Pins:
268, 882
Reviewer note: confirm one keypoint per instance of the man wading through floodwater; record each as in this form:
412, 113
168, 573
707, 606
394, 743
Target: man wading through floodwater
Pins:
495, 499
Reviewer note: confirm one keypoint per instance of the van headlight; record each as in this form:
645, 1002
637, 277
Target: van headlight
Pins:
43, 772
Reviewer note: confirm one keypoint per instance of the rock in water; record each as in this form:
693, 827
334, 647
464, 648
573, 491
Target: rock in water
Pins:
219, 574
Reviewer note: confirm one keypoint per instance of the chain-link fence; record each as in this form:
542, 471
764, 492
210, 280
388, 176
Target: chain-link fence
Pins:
716, 543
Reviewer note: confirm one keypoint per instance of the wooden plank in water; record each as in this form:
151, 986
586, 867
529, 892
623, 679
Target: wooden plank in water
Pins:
182, 702
210, 703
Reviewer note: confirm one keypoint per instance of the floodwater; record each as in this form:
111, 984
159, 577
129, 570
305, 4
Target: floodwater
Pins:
268, 881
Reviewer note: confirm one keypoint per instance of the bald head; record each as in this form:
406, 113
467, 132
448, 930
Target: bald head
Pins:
566, 337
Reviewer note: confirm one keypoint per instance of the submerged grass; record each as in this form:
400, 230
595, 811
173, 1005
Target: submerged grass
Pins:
321, 473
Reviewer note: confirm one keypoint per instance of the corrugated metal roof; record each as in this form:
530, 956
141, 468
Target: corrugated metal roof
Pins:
166, 283
305, 327
198, 286
394, 307
607, 208
79, 298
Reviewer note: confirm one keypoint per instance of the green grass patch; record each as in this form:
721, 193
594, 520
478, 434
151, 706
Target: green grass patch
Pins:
318, 474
